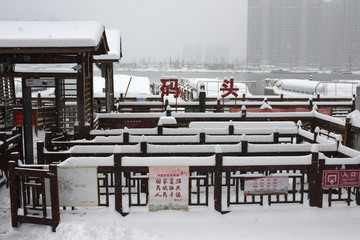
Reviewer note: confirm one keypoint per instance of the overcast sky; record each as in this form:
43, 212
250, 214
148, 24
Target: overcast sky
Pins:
149, 28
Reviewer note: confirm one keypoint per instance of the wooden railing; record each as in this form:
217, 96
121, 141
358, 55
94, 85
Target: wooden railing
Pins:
11, 148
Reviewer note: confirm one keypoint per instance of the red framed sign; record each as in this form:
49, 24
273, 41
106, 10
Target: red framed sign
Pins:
341, 178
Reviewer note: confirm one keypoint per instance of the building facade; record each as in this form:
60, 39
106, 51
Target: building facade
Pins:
284, 32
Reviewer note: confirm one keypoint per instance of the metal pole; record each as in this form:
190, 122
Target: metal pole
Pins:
27, 116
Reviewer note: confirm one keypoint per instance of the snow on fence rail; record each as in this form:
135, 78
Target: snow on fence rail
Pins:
310, 119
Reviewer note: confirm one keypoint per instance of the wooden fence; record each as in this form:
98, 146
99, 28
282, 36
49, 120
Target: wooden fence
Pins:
11, 148
28, 192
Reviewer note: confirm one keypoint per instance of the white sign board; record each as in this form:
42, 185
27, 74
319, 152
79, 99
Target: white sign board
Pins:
266, 185
40, 82
168, 188
77, 187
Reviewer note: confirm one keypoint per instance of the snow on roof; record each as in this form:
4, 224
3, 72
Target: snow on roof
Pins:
113, 39
50, 33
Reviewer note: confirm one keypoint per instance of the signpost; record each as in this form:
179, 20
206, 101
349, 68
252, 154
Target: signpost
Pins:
168, 188
341, 178
266, 185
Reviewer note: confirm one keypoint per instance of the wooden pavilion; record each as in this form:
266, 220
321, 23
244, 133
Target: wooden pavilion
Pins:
54, 44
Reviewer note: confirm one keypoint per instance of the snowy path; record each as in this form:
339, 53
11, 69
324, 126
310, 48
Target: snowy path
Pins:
280, 222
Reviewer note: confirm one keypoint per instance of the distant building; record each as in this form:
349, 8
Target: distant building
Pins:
332, 28
284, 32
217, 54
192, 53
351, 34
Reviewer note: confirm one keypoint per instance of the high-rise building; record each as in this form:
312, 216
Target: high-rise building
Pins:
284, 32
351, 34
332, 28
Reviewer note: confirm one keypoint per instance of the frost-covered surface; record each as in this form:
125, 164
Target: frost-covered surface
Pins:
342, 161
305, 87
233, 138
50, 34
130, 115
113, 40
261, 161
203, 148
258, 148
275, 222
354, 118
88, 161
166, 139
247, 124
348, 151
168, 161
329, 118
103, 149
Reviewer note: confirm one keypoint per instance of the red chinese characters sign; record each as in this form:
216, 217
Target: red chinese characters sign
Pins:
341, 178
266, 185
228, 88
168, 188
169, 86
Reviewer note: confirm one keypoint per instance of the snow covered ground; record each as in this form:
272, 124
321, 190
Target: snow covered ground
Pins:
280, 222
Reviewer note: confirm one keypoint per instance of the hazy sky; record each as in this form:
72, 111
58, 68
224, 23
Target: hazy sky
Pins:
149, 28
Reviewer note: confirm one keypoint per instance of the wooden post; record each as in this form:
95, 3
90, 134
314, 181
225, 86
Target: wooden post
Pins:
218, 181
347, 133
20, 142
202, 138
143, 147
243, 113
244, 147
160, 128
168, 111
319, 189
40, 152
126, 136
202, 101
276, 135
48, 141
14, 197
231, 128
54, 191
3, 151
118, 185
218, 105
313, 175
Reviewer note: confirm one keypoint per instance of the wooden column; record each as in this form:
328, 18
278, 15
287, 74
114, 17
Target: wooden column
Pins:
80, 86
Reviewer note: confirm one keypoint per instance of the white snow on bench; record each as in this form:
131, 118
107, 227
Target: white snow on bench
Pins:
266, 161
167, 161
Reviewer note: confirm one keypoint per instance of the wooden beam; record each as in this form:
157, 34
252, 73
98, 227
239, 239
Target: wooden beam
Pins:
39, 74
38, 58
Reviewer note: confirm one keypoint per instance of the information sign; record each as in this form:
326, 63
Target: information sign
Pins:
168, 188
266, 185
341, 178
